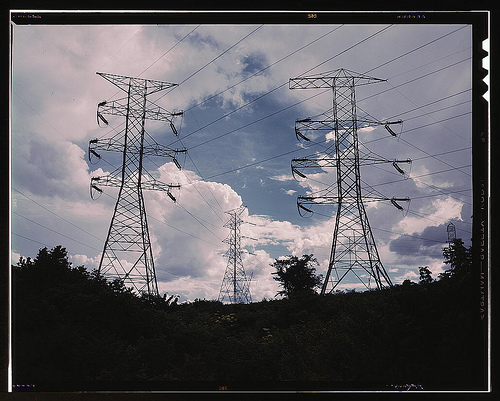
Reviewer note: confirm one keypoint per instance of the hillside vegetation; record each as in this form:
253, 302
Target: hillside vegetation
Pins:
74, 329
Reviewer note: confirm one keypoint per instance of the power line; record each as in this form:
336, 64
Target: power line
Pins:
199, 172
346, 50
30, 239
437, 221
252, 163
121, 47
209, 189
74, 225
282, 85
438, 110
443, 153
39, 115
213, 60
45, 171
286, 108
432, 62
168, 51
196, 188
228, 114
413, 177
190, 181
281, 154
159, 58
182, 231
387, 231
55, 214
289, 152
413, 80
200, 69
50, 229
417, 48
438, 122
428, 104
256, 121
398, 233
263, 69
312, 69
200, 222
232, 86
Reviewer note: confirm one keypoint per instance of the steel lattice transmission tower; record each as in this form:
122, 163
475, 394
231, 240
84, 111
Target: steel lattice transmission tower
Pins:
353, 251
235, 286
127, 253
452, 233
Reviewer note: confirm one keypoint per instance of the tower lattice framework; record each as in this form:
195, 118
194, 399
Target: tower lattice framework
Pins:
127, 253
451, 233
354, 252
235, 286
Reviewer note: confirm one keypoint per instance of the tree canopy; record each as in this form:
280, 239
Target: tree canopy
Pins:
459, 258
296, 275
74, 330
425, 275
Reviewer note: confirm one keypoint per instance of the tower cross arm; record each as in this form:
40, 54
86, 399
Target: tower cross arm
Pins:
155, 185
337, 79
314, 162
110, 144
147, 183
161, 150
114, 145
124, 82
120, 107
311, 82
317, 200
307, 124
108, 180
333, 200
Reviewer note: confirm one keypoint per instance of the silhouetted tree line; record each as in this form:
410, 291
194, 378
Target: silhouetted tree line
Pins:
74, 326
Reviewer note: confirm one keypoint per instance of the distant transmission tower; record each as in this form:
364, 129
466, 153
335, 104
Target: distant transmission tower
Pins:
353, 251
235, 286
127, 253
452, 233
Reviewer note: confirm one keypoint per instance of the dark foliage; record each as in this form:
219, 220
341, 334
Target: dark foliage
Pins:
297, 275
459, 258
425, 275
72, 326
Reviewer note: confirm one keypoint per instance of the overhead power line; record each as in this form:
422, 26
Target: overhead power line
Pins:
54, 231
282, 85
416, 79
263, 69
57, 215
30, 239
281, 155
214, 59
415, 49
169, 50
286, 83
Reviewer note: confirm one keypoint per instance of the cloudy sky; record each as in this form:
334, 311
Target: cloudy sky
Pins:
238, 127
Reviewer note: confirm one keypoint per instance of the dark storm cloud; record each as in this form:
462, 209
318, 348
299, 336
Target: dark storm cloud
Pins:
429, 242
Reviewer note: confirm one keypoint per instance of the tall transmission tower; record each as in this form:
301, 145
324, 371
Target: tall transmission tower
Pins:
127, 253
235, 286
354, 252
